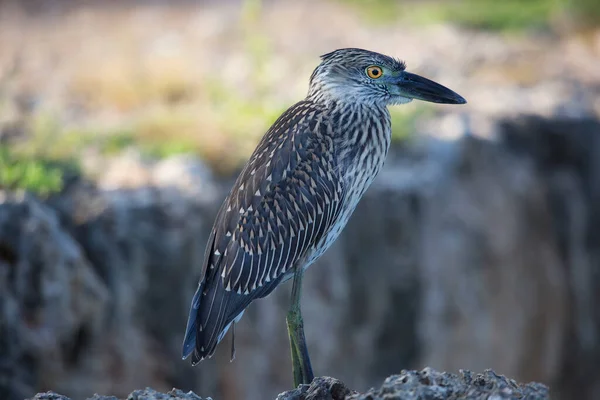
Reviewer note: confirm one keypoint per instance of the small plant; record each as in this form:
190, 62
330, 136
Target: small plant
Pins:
37, 176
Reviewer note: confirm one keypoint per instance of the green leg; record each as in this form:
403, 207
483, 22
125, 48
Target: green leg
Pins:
301, 367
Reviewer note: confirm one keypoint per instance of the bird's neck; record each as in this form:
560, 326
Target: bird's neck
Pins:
345, 101
361, 137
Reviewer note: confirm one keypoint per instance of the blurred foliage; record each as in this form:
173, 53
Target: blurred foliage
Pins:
40, 163
41, 177
165, 106
49, 138
506, 15
169, 107
486, 14
165, 132
587, 12
125, 85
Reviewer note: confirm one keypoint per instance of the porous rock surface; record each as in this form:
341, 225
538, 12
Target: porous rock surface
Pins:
145, 394
427, 384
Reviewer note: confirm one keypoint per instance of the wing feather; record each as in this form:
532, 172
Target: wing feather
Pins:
280, 207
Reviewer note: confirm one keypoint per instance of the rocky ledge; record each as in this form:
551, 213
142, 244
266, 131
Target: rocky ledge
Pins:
427, 384
483, 254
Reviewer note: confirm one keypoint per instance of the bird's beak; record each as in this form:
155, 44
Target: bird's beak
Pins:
416, 87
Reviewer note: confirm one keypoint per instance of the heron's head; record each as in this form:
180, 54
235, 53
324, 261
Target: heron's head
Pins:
357, 75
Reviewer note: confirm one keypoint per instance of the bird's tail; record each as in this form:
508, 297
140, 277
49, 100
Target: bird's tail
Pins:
189, 341
212, 313
208, 322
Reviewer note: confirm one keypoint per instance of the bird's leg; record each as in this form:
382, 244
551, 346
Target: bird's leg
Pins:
296, 364
301, 367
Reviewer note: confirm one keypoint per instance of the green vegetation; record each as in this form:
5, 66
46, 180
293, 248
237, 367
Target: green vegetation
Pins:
48, 138
37, 165
378, 11
41, 177
507, 15
165, 105
587, 12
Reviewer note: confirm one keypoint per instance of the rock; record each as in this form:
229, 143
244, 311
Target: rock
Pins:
566, 151
321, 388
146, 244
468, 254
408, 385
490, 272
49, 396
430, 384
423, 385
95, 283
190, 176
52, 302
146, 394
151, 394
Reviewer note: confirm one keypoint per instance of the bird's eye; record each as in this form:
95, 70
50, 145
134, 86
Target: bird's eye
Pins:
374, 72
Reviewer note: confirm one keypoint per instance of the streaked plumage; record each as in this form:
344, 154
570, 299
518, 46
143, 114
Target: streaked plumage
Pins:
297, 191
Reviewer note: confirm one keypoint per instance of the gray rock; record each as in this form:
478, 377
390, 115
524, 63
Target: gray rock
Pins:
427, 384
487, 260
430, 384
566, 151
49, 396
321, 388
465, 254
98, 397
151, 394
146, 244
52, 303
146, 394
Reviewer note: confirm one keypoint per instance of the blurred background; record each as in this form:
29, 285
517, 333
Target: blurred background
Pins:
123, 124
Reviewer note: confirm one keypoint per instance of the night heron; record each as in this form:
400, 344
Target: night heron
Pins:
297, 191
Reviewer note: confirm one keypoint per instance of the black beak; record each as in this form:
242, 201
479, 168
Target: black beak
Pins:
416, 87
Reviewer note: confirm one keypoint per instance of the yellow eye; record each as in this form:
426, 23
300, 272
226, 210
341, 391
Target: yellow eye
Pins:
374, 72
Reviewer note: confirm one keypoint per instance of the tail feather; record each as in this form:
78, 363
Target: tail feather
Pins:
208, 320
189, 341
213, 311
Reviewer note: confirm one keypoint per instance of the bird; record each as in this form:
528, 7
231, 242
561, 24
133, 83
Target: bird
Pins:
297, 191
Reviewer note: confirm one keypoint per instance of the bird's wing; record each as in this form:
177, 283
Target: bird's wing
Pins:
284, 201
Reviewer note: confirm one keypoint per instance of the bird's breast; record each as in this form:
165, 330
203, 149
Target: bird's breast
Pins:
361, 152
